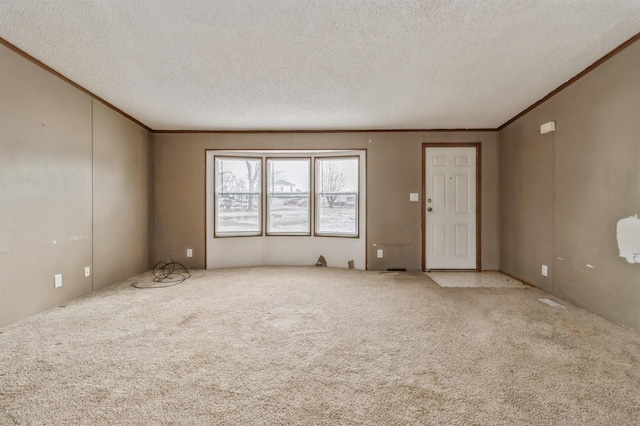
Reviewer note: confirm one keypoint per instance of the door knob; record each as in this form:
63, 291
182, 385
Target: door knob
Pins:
429, 209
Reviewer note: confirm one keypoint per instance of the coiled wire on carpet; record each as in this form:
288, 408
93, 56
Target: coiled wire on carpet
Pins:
166, 274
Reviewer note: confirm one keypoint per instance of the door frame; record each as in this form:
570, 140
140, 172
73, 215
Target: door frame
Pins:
478, 147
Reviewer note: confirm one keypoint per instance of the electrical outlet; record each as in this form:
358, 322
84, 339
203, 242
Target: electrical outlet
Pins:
544, 270
189, 252
87, 271
380, 253
57, 280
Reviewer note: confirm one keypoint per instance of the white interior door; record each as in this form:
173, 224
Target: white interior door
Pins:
450, 208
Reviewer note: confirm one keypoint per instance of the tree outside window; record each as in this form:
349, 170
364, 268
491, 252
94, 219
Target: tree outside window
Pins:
337, 200
237, 196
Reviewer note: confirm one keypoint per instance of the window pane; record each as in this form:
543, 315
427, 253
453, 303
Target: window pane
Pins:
337, 202
238, 195
288, 198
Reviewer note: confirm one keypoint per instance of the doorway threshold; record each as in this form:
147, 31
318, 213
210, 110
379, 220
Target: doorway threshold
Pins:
470, 279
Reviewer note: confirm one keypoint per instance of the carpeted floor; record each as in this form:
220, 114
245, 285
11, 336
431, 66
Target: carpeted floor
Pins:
317, 346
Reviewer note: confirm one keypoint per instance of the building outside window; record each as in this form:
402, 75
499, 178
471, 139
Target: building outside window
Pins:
288, 196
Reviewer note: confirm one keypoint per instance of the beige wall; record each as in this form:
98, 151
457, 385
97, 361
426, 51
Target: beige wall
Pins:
526, 198
45, 185
47, 172
394, 169
594, 161
122, 201
394, 162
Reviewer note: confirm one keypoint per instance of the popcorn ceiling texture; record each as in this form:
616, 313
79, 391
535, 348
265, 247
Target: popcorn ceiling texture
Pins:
325, 64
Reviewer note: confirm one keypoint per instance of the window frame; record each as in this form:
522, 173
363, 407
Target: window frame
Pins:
268, 197
316, 232
216, 205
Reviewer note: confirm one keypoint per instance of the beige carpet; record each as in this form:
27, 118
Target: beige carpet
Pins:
317, 346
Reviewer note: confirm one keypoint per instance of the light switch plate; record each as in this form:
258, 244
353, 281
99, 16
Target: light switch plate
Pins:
57, 280
414, 196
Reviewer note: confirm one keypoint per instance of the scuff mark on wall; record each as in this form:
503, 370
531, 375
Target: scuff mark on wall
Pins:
72, 238
628, 235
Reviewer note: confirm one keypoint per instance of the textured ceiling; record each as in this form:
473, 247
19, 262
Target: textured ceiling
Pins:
319, 64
